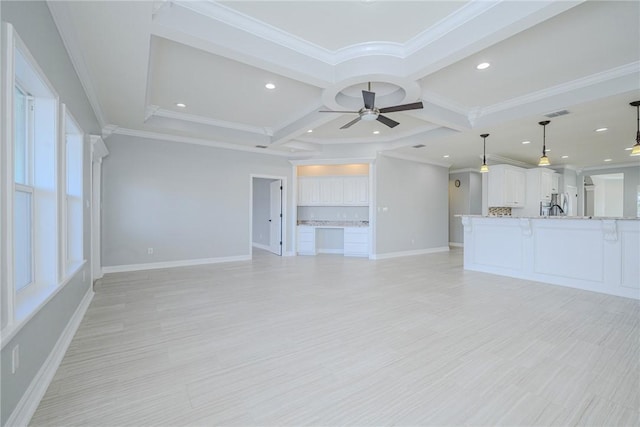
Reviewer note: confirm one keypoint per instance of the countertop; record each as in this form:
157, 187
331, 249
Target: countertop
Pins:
597, 218
320, 223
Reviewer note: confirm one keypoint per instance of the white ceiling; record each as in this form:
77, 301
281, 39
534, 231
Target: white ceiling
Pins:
136, 60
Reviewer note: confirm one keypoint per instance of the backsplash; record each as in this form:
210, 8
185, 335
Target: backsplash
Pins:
499, 211
333, 213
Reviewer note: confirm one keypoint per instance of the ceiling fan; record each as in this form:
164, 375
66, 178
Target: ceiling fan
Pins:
370, 113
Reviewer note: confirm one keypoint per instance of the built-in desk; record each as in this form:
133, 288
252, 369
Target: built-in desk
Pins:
355, 236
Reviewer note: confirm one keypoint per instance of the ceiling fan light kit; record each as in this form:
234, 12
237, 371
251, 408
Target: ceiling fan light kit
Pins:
544, 160
635, 151
370, 113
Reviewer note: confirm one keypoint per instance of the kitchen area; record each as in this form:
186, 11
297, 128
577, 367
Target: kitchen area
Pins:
534, 227
333, 209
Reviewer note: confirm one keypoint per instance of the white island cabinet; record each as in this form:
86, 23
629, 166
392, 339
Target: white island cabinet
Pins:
599, 255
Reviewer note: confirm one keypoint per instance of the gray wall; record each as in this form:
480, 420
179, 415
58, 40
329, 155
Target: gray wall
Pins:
185, 201
261, 210
416, 201
33, 22
463, 200
631, 182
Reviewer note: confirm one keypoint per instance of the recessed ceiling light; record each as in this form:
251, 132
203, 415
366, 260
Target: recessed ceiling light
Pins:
310, 131
181, 105
565, 157
607, 160
483, 66
376, 132
547, 150
628, 149
601, 129
446, 156
526, 142
270, 86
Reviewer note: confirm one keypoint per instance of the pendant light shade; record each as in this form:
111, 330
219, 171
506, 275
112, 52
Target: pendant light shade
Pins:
484, 168
544, 160
635, 151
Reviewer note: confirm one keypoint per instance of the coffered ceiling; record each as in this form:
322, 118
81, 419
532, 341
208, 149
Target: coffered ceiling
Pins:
139, 60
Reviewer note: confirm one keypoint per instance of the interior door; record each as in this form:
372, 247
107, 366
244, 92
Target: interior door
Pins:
275, 217
572, 192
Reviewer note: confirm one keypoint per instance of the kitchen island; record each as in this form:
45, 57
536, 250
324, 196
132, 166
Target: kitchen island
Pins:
594, 254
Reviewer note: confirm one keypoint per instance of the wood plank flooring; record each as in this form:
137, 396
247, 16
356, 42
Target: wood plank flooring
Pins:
329, 340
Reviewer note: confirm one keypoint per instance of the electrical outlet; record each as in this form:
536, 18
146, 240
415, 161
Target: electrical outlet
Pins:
150, 251
15, 359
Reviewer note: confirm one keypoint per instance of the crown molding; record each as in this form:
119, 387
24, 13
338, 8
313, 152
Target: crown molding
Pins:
196, 141
160, 112
502, 160
465, 170
606, 167
60, 14
401, 156
342, 161
594, 79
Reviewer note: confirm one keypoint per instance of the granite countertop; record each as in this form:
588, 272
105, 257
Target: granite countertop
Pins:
323, 223
598, 218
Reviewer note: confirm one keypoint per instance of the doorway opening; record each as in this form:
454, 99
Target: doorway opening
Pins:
267, 214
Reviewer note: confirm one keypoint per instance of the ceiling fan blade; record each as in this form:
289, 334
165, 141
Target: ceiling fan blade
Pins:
336, 111
413, 106
352, 122
387, 121
369, 99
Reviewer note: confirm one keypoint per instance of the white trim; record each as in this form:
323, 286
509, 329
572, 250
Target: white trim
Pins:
410, 253
160, 112
196, 141
615, 166
465, 170
30, 400
502, 160
261, 246
456, 245
332, 251
12, 330
60, 14
172, 264
341, 161
409, 158
562, 88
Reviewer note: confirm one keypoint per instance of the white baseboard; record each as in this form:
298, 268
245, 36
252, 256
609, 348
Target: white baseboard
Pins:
456, 245
410, 253
330, 251
31, 398
171, 264
261, 246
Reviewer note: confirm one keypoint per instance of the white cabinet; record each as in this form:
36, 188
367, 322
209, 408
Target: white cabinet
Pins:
540, 186
356, 241
555, 183
306, 240
333, 191
356, 190
506, 186
308, 191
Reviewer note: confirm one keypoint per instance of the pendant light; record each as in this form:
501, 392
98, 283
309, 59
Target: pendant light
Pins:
635, 151
544, 160
484, 168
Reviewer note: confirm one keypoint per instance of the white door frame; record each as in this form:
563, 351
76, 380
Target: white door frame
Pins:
282, 179
98, 152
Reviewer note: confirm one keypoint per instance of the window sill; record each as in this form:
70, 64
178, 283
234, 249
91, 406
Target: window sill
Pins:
32, 302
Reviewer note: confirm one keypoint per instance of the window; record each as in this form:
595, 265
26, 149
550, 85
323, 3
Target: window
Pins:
23, 189
73, 196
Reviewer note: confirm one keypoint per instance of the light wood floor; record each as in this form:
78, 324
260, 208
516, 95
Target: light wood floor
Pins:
329, 340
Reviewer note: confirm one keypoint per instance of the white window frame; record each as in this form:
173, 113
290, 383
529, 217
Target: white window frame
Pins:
48, 188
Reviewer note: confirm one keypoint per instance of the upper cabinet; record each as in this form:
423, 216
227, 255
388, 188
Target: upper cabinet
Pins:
506, 186
555, 183
540, 185
333, 191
